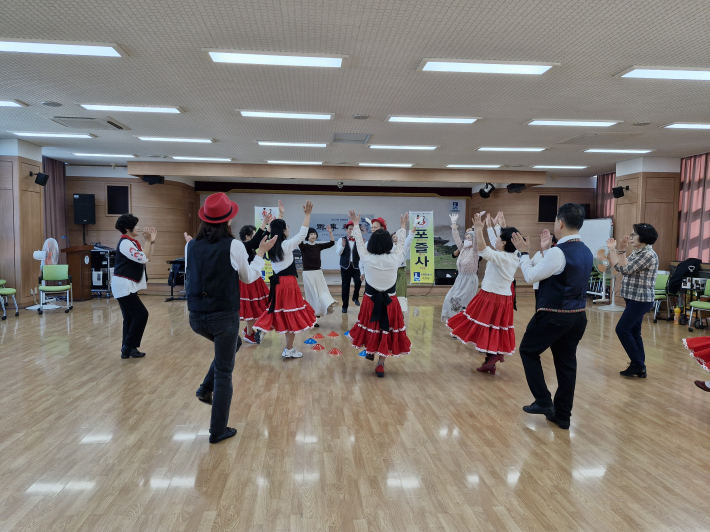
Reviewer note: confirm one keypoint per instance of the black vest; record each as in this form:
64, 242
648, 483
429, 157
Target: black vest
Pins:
211, 283
345, 257
125, 267
568, 290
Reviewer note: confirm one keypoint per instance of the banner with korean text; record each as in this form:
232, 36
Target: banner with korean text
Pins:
259, 213
421, 261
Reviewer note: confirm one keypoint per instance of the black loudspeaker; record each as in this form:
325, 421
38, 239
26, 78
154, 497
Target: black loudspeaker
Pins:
40, 178
445, 277
618, 191
84, 209
154, 179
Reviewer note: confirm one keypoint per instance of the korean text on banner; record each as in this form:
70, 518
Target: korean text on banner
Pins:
422, 252
259, 213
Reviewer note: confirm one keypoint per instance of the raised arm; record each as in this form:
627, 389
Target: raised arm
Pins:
292, 243
282, 210
149, 233
455, 230
401, 240
359, 242
478, 228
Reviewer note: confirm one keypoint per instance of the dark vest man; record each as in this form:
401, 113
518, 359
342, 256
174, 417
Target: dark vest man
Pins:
349, 267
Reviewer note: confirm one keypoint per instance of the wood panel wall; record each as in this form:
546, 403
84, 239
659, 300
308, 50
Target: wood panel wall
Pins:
22, 223
652, 198
521, 211
171, 208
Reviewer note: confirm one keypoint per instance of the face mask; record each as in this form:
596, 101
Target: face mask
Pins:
467, 243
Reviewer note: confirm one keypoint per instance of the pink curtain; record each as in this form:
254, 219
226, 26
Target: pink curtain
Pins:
604, 196
55, 204
694, 227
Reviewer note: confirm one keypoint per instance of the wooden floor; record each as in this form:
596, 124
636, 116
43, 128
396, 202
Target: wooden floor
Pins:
92, 442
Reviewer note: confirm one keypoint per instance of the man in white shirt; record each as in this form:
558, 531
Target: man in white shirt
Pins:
349, 267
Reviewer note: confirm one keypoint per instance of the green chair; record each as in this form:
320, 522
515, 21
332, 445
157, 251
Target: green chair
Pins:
660, 295
55, 272
697, 307
4, 294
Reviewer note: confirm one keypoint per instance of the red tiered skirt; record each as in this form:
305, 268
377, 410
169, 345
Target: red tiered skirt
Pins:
699, 349
254, 299
367, 334
291, 312
486, 324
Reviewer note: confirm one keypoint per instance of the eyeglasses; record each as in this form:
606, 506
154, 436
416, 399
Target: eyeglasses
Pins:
633, 235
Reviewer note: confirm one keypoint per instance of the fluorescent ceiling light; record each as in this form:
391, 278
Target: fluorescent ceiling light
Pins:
104, 155
168, 139
695, 74
130, 108
486, 67
561, 167
247, 58
386, 164
681, 125
386, 147
303, 116
473, 166
295, 144
57, 135
12, 103
596, 150
583, 123
432, 119
488, 148
295, 162
57, 47
213, 159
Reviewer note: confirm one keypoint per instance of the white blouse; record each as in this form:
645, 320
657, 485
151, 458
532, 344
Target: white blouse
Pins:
380, 270
288, 246
500, 271
407, 247
122, 286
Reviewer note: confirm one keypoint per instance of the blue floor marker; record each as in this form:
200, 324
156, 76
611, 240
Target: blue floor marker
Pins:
310, 341
362, 353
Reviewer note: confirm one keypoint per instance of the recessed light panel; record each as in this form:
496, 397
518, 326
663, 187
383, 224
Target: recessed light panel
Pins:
486, 67
557, 167
299, 116
104, 155
693, 74
473, 166
386, 147
295, 162
130, 108
57, 135
490, 148
386, 164
250, 58
31, 46
293, 144
687, 125
580, 123
432, 119
208, 159
616, 151
170, 139
12, 103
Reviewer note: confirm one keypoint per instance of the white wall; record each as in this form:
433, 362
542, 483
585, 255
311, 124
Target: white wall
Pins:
20, 148
647, 164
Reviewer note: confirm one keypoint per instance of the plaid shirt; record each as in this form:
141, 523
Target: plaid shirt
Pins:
640, 272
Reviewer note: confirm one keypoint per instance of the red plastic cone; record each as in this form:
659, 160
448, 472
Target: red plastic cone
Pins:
318, 336
318, 347
335, 352
333, 334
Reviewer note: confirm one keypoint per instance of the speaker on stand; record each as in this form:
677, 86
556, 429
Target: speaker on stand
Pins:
84, 212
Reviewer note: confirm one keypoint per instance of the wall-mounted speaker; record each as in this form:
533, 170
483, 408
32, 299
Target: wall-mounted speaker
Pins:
618, 192
40, 178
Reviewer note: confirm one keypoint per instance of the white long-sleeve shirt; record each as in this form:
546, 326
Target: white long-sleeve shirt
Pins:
122, 286
239, 258
500, 271
339, 248
553, 263
380, 270
288, 246
407, 246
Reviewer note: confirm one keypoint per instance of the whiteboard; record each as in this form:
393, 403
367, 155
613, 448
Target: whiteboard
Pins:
594, 233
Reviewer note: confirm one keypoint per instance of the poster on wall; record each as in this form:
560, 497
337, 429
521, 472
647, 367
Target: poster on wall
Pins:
337, 224
259, 213
421, 260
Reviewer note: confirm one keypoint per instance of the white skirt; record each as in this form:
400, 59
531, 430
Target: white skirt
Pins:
460, 295
317, 293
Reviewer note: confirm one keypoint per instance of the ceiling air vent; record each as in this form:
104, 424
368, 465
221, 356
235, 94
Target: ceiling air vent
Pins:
351, 138
85, 122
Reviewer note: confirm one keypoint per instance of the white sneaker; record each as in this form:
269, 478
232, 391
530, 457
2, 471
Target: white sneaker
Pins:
287, 353
295, 353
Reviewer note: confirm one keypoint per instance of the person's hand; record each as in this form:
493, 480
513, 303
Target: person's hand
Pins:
308, 207
488, 220
282, 209
265, 245
478, 223
454, 218
354, 217
520, 243
611, 244
362, 277
404, 219
153, 234
187, 237
545, 240
329, 229
501, 220
625, 240
146, 232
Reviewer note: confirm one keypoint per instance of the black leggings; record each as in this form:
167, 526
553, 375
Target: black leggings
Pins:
135, 317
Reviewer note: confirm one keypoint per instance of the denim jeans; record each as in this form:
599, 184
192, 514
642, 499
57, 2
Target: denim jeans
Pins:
628, 329
221, 328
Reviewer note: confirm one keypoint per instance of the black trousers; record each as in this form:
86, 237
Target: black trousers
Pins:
628, 329
560, 333
135, 317
351, 273
222, 329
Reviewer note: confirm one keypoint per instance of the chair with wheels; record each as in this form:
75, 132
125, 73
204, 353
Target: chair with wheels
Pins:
4, 294
696, 307
660, 296
55, 272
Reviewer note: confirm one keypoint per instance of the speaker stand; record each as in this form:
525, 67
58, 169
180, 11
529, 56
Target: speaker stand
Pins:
83, 233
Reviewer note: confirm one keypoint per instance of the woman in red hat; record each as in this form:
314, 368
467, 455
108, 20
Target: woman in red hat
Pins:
215, 263
288, 312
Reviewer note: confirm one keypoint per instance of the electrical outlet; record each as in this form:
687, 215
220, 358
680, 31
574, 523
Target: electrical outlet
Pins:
32, 292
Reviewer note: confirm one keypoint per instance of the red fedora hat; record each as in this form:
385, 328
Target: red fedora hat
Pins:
382, 222
218, 208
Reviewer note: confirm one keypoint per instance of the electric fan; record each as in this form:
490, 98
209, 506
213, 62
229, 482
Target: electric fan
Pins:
49, 255
603, 265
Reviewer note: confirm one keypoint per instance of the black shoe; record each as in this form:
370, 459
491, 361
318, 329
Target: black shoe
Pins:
316, 325
345, 310
560, 423
131, 352
228, 433
357, 303
632, 370
370, 356
536, 409
204, 395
